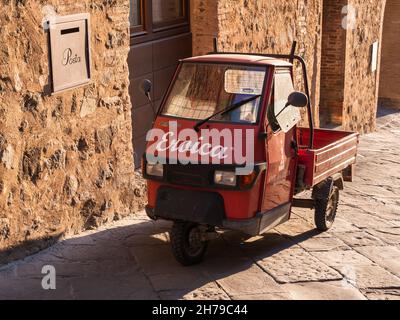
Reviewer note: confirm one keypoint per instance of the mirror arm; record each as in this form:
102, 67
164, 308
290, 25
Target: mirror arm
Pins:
152, 106
146, 87
148, 95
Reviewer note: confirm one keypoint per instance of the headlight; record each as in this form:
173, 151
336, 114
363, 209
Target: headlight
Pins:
155, 170
226, 178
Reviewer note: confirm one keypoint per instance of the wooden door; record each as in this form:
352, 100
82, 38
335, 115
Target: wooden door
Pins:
160, 36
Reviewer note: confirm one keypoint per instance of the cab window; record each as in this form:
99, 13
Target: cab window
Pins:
280, 115
202, 90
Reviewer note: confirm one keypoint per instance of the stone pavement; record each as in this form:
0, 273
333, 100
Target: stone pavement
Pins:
358, 259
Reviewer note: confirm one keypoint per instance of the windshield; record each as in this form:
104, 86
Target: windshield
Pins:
202, 90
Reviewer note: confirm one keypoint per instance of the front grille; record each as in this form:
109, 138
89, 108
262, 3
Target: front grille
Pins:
196, 176
187, 179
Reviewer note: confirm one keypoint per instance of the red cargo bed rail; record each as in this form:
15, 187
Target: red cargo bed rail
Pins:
333, 152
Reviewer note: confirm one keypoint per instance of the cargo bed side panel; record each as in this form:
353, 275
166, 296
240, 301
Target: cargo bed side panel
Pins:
336, 150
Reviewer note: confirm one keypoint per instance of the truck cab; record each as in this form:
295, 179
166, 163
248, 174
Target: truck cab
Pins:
226, 152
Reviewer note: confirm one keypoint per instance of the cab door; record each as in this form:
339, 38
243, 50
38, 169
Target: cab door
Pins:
280, 148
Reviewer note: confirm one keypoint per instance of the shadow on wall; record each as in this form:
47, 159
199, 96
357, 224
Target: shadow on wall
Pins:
384, 111
135, 262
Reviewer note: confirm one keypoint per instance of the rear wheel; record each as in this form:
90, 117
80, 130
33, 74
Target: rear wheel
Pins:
188, 245
326, 209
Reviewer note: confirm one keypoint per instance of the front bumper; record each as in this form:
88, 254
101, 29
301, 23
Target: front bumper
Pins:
202, 207
261, 223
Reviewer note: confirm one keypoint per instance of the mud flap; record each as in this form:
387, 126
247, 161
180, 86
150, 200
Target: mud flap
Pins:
323, 190
191, 206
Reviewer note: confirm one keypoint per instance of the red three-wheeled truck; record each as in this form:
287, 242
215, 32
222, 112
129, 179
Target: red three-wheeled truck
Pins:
251, 97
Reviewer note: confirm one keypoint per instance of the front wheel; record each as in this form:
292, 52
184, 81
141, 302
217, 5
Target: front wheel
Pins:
326, 209
187, 243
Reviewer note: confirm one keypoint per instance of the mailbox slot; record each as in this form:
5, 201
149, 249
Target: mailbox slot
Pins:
70, 30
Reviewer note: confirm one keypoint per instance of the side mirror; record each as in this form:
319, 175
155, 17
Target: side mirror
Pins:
297, 99
145, 88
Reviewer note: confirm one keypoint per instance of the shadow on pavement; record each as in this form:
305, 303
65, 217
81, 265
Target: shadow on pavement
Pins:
135, 262
27, 247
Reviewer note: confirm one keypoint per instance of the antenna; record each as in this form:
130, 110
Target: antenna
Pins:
293, 51
215, 44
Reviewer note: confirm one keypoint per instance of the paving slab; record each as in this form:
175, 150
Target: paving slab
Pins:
209, 291
324, 244
390, 236
258, 248
297, 265
370, 277
387, 257
383, 294
264, 296
342, 258
364, 220
295, 227
149, 257
251, 281
359, 239
342, 225
130, 287
331, 290
188, 281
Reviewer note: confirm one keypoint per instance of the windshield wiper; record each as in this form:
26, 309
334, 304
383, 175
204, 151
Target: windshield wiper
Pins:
226, 110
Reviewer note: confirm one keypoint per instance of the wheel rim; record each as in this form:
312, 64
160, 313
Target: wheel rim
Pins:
194, 244
330, 210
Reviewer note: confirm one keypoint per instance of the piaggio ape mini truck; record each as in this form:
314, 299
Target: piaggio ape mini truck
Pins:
236, 92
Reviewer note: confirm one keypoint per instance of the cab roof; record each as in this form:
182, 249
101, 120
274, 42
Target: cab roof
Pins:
240, 59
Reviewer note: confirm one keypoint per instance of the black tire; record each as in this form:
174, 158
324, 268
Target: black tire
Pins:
187, 246
326, 209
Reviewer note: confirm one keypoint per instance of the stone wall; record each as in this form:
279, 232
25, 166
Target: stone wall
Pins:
204, 22
65, 160
361, 94
263, 27
344, 89
349, 86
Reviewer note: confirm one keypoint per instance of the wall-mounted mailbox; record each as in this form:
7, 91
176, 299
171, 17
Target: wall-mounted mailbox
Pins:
70, 51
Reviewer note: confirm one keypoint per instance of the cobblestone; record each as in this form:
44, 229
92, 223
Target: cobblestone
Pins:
131, 259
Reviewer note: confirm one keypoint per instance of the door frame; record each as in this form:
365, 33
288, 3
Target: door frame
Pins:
147, 31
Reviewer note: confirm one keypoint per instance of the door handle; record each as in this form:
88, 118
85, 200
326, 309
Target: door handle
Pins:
263, 135
295, 146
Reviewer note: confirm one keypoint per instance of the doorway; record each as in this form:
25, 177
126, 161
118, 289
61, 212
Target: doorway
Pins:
160, 36
389, 84
333, 55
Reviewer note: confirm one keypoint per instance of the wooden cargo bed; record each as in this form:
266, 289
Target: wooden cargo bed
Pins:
333, 152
